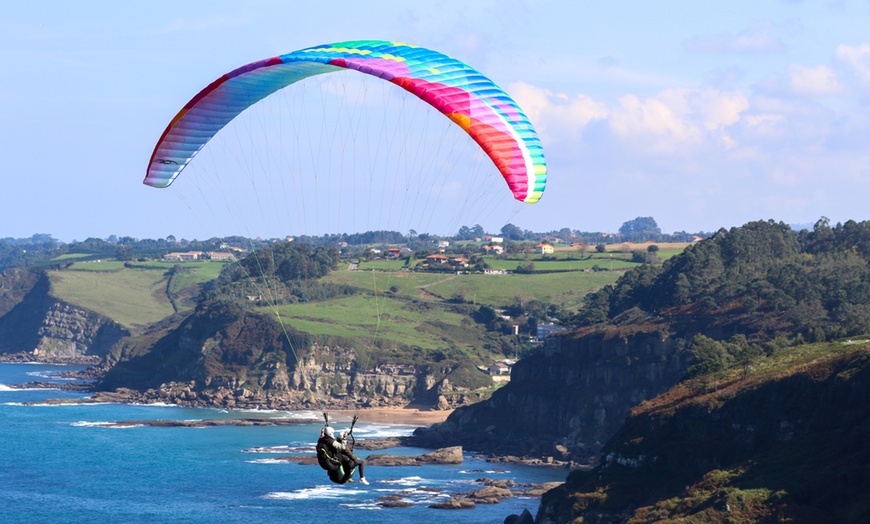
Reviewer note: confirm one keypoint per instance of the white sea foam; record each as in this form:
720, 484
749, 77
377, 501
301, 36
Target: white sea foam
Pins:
317, 492
404, 481
67, 404
383, 430
266, 461
301, 415
482, 471
48, 374
111, 425
153, 404
4, 387
363, 505
282, 414
419, 496
280, 449
88, 424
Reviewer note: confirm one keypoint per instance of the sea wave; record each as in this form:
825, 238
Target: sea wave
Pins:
317, 492
281, 413
384, 430
88, 424
103, 424
266, 461
405, 481
67, 404
53, 375
363, 505
33, 363
4, 387
279, 449
423, 495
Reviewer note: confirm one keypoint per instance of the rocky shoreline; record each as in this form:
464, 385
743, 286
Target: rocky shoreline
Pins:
122, 397
88, 377
490, 492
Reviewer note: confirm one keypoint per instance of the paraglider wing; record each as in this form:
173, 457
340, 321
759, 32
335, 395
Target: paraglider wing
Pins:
458, 91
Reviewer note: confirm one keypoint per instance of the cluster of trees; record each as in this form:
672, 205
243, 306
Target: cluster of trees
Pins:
355, 239
759, 281
23, 252
286, 272
287, 261
640, 229
38, 249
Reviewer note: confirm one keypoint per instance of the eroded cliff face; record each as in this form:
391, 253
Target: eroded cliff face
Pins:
567, 400
53, 330
223, 355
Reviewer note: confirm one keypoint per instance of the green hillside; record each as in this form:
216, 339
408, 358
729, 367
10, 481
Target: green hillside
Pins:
387, 320
565, 289
134, 295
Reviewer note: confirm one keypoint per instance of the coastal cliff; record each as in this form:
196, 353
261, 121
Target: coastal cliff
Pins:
226, 356
785, 443
568, 399
46, 328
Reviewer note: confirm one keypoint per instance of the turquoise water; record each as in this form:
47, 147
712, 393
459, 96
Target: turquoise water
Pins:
62, 464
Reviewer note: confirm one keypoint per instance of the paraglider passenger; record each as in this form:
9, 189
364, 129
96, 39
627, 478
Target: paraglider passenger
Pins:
350, 458
334, 456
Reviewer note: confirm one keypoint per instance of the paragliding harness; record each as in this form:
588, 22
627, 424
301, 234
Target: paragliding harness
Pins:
329, 458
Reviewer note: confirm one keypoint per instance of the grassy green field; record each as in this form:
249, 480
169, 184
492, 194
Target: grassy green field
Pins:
366, 318
98, 265
409, 307
132, 297
563, 265
383, 265
566, 290
405, 282
195, 273
563, 289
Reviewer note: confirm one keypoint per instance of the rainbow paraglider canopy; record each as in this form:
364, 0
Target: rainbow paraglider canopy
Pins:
463, 94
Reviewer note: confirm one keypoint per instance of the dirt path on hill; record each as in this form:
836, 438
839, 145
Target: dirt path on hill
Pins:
425, 294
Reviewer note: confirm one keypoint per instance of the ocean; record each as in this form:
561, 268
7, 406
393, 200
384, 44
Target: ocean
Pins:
63, 463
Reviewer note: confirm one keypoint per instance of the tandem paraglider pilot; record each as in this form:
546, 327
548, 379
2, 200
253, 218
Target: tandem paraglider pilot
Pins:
337, 458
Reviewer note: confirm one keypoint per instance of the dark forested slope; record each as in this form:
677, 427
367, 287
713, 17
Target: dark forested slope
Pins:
784, 443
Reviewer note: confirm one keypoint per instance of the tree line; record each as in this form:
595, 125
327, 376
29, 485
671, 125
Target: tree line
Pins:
749, 288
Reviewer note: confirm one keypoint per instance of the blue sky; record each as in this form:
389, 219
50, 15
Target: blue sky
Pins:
700, 114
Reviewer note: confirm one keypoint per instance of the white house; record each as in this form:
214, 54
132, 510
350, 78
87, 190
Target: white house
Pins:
499, 368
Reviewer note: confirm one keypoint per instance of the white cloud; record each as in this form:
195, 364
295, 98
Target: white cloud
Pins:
653, 123
669, 121
557, 116
813, 80
856, 59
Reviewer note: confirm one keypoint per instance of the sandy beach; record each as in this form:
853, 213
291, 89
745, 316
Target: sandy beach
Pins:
395, 415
